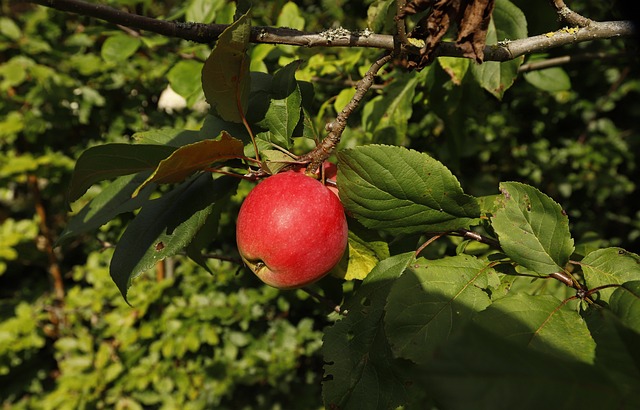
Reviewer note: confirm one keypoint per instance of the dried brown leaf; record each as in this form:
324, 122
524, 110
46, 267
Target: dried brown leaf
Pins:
471, 17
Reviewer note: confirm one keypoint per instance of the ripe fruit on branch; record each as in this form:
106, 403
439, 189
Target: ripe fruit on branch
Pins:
330, 174
291, 230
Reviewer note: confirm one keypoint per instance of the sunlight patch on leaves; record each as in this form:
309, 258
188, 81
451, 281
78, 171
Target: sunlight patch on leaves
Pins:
398, 190
532, 229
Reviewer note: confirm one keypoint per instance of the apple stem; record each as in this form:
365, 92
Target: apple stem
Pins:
328, 145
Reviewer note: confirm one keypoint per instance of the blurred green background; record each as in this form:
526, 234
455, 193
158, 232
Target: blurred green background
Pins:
192, 340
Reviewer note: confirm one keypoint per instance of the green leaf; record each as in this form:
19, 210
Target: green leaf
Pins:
616, 348
432, 301
625, 303
285, 108
172, 137
119, 47
550, 79
114, 200
532, 229
402, 191
290, 17
164, 227
112, 160
189, 159
455, 67
225, 75
507, 23
181, 77
366, 249
9, 29
209, 231
610, 266
541, 323
204, 11
480, 369
360, 370
386, 116
380, 15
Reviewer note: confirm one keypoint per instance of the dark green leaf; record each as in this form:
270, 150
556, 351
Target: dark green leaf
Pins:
113, 160
625, 303
616, 349
432, 301
481, 370
115, 199
386, 116
507, 23
172, 137
164, 227
285, 108
225, 75
402, 191
541, 323
360, 369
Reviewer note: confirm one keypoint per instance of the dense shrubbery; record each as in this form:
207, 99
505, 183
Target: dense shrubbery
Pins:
195, 340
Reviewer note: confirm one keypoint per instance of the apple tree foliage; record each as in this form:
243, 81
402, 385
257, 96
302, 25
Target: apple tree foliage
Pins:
492, 214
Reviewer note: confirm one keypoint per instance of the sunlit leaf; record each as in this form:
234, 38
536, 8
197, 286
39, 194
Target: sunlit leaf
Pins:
366, 249
191, 158
532, 229
119, 47
610, 266
402, 191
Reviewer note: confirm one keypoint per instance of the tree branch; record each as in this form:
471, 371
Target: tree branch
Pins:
340, 37
336, 127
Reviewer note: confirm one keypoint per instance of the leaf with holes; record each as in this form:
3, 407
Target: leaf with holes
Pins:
360, 369
532, 228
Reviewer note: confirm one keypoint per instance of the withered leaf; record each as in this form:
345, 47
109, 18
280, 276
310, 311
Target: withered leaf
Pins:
471, 17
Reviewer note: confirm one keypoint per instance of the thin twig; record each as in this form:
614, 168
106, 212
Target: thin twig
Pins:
569, 59
569, 16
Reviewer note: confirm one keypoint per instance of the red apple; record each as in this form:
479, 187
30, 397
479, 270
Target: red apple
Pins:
291, 230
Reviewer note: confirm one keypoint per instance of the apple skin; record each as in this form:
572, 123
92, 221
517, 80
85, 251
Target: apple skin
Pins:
291, 230
330, 174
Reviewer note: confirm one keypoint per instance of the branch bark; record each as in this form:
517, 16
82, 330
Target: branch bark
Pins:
340, 37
